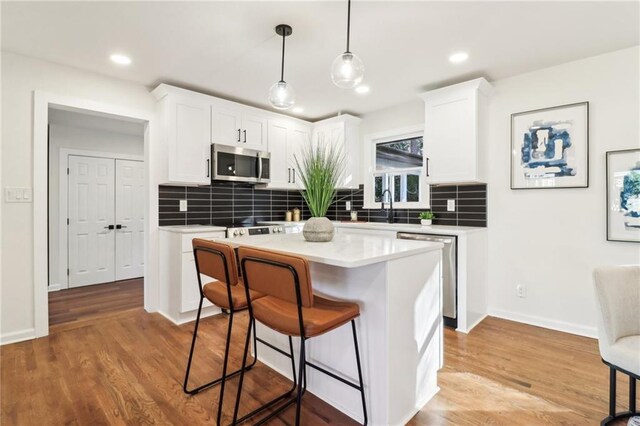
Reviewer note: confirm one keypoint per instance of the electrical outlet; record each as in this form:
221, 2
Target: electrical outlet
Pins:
451, 205
347, 205
521, 291
183, 205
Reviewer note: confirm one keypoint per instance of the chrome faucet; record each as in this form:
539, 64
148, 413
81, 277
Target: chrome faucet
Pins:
390, 216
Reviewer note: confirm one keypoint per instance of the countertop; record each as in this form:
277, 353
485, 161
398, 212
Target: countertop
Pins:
396, 227
192, 229
345, 250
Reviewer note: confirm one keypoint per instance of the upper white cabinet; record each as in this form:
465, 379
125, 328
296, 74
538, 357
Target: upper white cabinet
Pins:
285, 139
343, 132
453, 132
186, 130
238, 126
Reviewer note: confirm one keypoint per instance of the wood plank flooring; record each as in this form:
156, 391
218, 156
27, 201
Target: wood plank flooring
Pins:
81, 303
127, 368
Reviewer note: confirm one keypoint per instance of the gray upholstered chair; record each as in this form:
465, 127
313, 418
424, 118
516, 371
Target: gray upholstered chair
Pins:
618, 294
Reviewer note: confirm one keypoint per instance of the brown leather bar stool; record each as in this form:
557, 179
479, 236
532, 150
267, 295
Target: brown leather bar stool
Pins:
218, 261
290, 307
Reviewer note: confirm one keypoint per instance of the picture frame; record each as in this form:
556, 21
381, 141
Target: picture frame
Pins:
623, 195
550, 147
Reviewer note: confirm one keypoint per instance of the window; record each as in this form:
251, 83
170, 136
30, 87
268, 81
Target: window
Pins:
397, 164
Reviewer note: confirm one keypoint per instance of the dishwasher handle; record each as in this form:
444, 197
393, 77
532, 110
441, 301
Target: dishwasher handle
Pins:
423, 237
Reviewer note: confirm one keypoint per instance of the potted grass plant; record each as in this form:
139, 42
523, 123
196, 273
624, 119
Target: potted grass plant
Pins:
426, 218
320, 164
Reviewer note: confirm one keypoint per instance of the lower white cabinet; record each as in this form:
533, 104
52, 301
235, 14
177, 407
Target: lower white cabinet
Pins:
179, 294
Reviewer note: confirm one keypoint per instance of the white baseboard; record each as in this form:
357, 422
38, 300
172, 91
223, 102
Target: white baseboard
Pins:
563, 326
18, 336
56, 287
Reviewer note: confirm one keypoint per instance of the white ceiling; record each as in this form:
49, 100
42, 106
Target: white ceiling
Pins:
230, 49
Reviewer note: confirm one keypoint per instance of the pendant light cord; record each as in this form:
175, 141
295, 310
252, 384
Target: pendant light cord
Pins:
282, 65
348, 24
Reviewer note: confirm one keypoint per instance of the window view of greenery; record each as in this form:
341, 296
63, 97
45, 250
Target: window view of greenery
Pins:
398, 167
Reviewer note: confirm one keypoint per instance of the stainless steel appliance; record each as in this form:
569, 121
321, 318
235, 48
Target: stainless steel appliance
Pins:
449, 272
239, 164
246, 231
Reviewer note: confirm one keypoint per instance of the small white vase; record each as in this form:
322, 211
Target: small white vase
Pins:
318, 230
425, 222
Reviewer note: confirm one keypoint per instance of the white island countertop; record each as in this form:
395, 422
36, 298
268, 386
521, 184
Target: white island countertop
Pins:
345, 250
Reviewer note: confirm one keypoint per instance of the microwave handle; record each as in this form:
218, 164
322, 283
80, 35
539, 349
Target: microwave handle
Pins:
259, 166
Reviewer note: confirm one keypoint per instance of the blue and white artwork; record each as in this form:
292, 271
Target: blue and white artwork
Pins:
623, 195
550, 148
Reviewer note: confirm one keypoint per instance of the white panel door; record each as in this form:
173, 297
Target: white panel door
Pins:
299, 136
189, 142
226, 126
91, 212
254, 132
279, 162
129, 232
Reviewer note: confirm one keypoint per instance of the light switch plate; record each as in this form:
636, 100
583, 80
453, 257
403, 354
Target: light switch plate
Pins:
451, 205
18, 195
183, 205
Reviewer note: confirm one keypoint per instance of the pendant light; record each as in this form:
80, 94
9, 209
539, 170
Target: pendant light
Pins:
281, 94
347, 70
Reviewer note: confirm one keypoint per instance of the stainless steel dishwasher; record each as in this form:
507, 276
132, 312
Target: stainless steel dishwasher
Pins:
449, 272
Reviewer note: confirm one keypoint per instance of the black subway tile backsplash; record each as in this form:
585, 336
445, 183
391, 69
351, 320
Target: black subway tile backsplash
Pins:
225, 203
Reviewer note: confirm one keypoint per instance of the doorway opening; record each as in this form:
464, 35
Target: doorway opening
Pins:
96, 214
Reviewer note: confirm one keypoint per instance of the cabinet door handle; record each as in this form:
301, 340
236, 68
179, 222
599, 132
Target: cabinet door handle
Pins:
294, 175
244, 133
427, 167
289, 172
238, 135
208, 168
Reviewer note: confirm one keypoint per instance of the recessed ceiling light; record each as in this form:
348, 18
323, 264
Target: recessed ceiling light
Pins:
362, 89
120, 59
456, 58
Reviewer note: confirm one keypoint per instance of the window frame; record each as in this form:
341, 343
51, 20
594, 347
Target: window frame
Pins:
391, 135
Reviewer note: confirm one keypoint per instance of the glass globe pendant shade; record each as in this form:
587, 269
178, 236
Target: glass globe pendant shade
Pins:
347, 71
282, 95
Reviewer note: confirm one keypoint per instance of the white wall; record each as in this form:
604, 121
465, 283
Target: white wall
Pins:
550, 240
87, 139
20, 77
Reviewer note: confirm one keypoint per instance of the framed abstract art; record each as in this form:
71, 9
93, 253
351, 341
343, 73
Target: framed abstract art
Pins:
550, 147
623, 195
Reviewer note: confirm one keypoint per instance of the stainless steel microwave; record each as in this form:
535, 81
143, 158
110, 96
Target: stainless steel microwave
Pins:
239, 164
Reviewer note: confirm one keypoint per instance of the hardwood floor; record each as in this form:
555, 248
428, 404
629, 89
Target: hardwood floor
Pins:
82, 303
127, 368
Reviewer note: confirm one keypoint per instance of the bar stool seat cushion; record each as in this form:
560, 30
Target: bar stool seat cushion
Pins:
625, 353
216, 293
324, 315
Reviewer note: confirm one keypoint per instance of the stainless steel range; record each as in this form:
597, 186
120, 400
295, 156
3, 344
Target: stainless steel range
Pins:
246, 231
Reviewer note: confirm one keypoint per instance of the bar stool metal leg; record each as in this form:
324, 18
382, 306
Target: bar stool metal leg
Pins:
355, 343
632, 394
226, 355
274, 401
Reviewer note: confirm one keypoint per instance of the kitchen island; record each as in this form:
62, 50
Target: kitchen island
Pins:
397, 284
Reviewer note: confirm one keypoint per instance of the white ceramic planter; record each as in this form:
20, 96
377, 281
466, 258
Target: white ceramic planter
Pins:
425, 222
318, 230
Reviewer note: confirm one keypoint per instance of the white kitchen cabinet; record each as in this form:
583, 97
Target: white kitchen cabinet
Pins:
343, 132
186, 130
179, 294
238, 125
286, 137
453, 133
